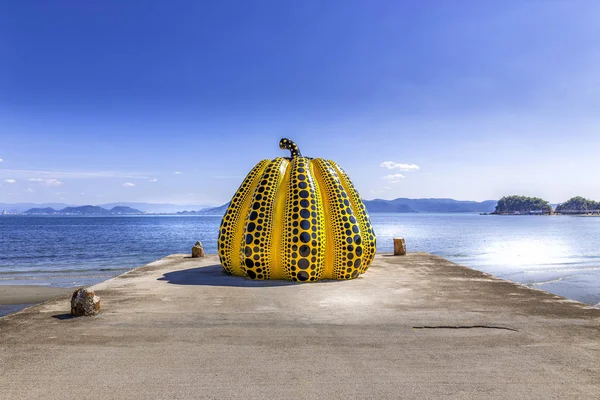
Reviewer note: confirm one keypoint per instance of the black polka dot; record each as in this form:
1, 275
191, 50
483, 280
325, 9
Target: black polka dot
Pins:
304, 250
303, 263
303, 276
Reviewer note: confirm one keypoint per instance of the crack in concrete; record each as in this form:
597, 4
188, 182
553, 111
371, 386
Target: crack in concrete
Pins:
466, 327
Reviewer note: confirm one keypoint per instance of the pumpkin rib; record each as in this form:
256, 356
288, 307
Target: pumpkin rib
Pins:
232, 225
278, 270
346, 231
328, 235
318, 214
303, 252
255, 249
361, 214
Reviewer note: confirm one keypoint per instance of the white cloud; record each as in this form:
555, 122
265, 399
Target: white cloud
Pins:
178, 173
401, 167
1, 160
46, 182
153, 180
394, 178
128, 184
10, 180
30, 190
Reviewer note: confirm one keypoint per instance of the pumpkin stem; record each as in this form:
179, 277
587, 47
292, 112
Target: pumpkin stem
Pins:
287, 144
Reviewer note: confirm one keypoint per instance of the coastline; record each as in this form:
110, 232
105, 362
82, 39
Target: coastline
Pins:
14, 298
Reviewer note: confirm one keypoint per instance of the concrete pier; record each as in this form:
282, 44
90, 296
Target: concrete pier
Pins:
416, 326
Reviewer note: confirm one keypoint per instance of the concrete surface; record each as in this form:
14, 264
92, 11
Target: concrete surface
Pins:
416, 326
27, 294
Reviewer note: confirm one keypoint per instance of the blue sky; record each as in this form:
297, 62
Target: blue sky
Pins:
163, 101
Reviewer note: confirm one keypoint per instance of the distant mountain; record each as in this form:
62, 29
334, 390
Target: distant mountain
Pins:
378, 205
83, 210
400, 205
219, 211
156, 208
46, 210
214, 210
20, 207
124, 210
95, 210
428, 205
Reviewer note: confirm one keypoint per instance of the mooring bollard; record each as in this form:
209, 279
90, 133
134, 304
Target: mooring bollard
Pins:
197, 250
399, 247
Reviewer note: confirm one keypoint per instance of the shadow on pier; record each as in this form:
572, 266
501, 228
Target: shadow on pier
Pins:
215, 275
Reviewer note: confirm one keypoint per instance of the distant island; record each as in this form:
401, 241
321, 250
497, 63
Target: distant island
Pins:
84, 210
522, 205
517, 205
579, 205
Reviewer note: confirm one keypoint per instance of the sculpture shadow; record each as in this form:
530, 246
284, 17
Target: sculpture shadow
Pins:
215, 275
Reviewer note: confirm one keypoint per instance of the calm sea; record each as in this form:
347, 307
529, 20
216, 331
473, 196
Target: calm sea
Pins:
559, 254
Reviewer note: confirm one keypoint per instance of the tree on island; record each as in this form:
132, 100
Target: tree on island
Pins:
578, 205
522, 204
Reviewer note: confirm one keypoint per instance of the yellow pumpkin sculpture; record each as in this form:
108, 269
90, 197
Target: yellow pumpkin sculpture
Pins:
296, 218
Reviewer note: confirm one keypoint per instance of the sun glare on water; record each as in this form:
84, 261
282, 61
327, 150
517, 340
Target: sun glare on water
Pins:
525, 252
